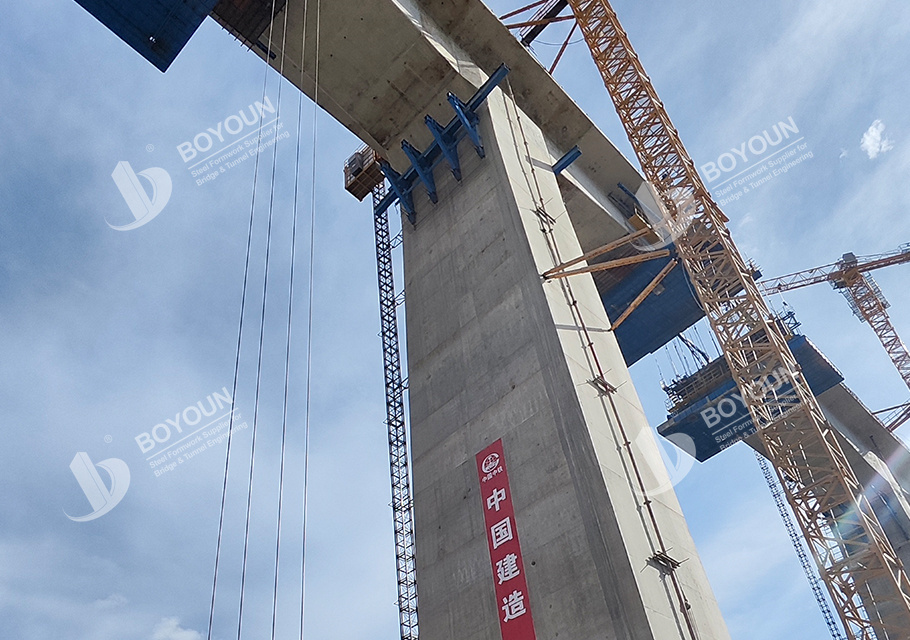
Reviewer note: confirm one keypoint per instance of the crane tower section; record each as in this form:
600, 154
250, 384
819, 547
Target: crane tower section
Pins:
855, 558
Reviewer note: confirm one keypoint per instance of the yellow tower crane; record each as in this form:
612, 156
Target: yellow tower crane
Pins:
850, 275
864, 576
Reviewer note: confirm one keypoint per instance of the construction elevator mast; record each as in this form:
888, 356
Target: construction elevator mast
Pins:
855, 559
402, 509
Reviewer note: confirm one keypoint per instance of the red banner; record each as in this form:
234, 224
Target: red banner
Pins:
511, 587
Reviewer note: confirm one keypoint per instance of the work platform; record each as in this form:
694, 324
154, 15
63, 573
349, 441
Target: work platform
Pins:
706, 416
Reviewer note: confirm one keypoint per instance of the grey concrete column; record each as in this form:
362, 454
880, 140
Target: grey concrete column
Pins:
495, 352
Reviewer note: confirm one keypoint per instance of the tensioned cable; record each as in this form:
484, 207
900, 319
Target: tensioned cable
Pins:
265, 291
287, 352
558, 44
309, 346
246, 272
670, 359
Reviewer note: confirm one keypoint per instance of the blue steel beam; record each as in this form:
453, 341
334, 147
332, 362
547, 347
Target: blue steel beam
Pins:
453, 131
469, 121
400, 191
423, 167
448, 146
563, 163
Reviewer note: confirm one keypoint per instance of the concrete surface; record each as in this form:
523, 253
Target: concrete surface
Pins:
493, 351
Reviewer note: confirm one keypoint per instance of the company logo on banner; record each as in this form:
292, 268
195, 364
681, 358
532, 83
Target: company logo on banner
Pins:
505, 552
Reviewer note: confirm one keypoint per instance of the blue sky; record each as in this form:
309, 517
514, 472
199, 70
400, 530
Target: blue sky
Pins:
108, 333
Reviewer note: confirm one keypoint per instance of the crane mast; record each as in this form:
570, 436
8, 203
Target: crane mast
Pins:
855, 559
871, 307
850, 276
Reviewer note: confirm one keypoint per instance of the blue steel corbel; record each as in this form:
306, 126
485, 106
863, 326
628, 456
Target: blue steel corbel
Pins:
629, 193
468, 120
563, 163
423, 168
448, 145
400, 189
401, 185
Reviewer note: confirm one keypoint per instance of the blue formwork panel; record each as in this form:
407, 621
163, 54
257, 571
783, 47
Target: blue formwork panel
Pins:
719, 419
668, 311
156, 29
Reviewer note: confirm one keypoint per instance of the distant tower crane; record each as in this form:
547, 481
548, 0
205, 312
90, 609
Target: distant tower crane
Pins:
850, 275
855, 559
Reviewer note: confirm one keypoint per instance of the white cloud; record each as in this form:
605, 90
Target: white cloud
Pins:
170, 629
874, 142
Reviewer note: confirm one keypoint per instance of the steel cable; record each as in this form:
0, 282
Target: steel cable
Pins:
287, 354
246, 272
309, 347
265, 289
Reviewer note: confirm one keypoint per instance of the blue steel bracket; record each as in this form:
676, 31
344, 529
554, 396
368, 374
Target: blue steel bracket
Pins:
448, 144
423, 167
444, 145
400, 189
563, 163
629, 193
468, 120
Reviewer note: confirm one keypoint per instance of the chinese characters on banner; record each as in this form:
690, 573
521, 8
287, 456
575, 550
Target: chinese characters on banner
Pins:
505, 553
